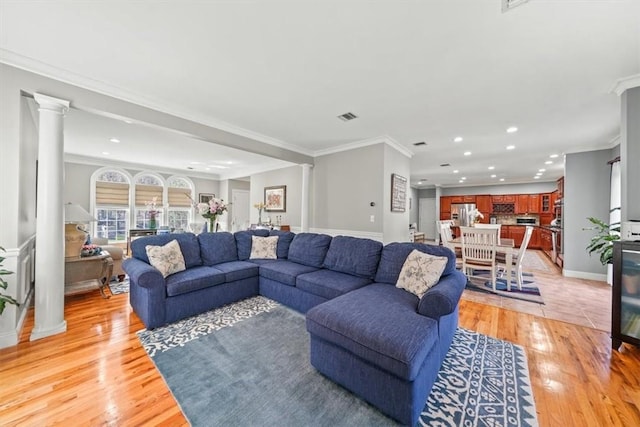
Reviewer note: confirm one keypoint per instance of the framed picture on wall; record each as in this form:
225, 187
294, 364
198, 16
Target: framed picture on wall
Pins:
205, 197
398, 193
275, 198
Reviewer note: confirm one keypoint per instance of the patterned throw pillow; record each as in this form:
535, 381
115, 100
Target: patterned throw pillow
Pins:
420, 272
264, 247
167, 259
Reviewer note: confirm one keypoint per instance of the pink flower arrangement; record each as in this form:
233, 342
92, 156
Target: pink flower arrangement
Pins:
212, 209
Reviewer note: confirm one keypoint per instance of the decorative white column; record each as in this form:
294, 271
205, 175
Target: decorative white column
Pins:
304, 209
49, 292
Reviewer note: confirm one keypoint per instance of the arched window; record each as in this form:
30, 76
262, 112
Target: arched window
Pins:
149, 191
180, 196
111, 203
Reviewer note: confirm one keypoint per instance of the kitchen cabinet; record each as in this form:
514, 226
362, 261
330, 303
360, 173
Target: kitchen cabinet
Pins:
445, 207
522, 203
560, 183
463, 199
546, 205
545, 241
484, 205
546, 218
505, 198
516, 232
534, 203
534, 243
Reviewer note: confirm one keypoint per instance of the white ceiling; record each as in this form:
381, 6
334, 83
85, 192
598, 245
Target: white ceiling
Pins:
281, 71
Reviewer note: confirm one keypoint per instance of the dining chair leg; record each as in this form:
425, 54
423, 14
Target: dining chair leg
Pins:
519, 278
493, 279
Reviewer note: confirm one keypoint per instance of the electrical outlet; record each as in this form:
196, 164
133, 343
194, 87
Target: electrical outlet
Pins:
372, 218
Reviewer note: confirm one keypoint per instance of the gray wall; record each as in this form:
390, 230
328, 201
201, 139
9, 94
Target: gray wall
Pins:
586, 194
395, 224
292, 178
344, 185
415, 202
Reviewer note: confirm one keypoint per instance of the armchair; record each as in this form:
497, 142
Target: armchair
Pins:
116, 255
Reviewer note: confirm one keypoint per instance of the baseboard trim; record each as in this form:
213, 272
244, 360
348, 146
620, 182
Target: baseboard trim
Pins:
584, 275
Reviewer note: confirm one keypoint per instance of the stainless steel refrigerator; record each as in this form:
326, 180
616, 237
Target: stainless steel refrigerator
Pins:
461, 213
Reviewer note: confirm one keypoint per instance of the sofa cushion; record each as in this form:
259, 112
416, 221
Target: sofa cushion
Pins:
309, 249
284, 271
166, 259
329, 284
243, 242
386, 331
237, 270
394, 254
264, 247
188, 242
284, 241
353, 255
216, 248
193, 279
420, 272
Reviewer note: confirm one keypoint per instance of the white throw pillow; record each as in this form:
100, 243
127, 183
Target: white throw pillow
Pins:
167, 259
420, 272
264, 247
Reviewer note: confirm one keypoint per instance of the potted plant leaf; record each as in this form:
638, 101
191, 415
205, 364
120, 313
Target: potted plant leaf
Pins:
602, 243
4, 299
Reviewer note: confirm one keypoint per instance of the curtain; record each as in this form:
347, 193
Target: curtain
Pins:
615, 201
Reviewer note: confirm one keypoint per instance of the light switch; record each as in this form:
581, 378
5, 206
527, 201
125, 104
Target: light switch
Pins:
372, 218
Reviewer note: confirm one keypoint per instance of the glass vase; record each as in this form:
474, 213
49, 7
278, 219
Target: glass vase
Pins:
152, 222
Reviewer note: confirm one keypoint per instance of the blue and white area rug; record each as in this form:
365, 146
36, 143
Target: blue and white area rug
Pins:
248, 364
480, 282
117, 287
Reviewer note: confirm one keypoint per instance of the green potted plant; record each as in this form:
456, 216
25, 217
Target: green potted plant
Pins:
4, 299
602, 242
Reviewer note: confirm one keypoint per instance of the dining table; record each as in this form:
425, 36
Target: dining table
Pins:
504, 246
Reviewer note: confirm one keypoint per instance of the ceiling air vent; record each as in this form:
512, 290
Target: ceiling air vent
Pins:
507, 5
418, 144
445, 165
347, 116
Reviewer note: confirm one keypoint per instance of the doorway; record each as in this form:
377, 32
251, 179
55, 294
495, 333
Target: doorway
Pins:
240, 210
427, 218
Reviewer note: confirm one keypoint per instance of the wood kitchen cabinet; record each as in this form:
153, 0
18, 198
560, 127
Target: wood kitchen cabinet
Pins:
484, 205
560, 187
545, 241
516, 232
463, 199
534, 243
546, 205
534, 203
445, 207
504, 198
522, 203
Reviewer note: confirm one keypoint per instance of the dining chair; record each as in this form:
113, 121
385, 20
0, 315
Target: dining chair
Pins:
479, 251
517, 260
489, 226
446, 236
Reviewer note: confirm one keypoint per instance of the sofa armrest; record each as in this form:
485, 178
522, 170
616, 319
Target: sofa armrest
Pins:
115, 252
142, 274
444, 297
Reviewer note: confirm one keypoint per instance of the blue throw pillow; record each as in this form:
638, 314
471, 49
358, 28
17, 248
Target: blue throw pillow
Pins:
216, 248
353, 255
309, 249
284, 242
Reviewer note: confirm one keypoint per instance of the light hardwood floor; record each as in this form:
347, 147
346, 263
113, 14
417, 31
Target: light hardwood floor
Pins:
98, 374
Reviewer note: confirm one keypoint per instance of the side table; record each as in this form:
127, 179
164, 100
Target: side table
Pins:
86, 273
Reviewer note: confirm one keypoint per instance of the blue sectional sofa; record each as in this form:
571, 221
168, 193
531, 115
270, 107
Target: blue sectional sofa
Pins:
379, 341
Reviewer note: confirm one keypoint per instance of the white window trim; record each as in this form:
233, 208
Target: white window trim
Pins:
92, 193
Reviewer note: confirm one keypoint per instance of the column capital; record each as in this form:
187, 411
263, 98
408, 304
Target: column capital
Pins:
306, 165
626, 83
50, 103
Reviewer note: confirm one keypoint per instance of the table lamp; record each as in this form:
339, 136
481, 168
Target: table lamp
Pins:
74, 236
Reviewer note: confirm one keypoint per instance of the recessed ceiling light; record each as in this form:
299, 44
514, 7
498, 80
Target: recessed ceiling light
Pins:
553, 156
512, 129
456, 171
548, 162
491, 168
208, 169
195, 163
127, 121
539, 173
457, 139
536, 177
218, 167
461, 181
510, 147
501, 179
542, 170
467, 153
115, 140
106, 153
493, 176
463, 178
229, 162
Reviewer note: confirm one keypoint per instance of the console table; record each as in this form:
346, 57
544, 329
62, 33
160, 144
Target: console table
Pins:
82, 274
138, 232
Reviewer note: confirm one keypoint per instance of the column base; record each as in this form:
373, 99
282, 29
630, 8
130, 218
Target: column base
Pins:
36, 333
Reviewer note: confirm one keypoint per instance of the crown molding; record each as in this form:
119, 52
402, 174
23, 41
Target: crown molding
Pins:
34, 66
382, 139
625, 83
